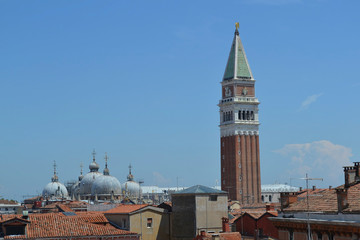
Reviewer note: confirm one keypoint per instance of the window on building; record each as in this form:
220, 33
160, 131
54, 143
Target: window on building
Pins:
124, 223
223, 169
319, 235
270, 198
149, 223
262, 198
240, 177
213, 198
239, 115
15, 230
239, 165
291, 234
331, 236
252, 115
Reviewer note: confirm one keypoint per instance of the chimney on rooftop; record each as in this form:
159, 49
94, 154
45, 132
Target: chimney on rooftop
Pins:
350, 174
225, 224
286, 198
314, 188
357, 171
300, 189
330, 187
25, 215
342, 199
270, 207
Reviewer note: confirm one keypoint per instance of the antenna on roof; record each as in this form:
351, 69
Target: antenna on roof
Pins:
307, 179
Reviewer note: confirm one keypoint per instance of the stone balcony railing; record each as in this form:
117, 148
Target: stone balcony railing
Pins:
239, 100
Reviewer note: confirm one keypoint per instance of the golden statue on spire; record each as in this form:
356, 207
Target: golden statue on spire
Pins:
237, 25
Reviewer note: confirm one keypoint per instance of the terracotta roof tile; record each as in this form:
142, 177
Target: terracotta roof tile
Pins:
5, 201
52, 225
353, 199
126, 208
64, 208
320, 200
325, 200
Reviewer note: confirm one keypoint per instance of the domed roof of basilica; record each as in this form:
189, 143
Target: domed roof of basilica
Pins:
131, 188
55, 188
89, 178
106, 184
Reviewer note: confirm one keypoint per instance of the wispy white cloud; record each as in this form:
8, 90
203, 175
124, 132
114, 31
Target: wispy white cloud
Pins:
273, 2
319, 159
160, 180
309, 100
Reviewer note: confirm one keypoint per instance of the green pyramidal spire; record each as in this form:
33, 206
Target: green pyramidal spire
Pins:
237, 66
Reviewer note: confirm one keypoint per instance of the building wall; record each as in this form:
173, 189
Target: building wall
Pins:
209, 212
160, 227
283, 235
246, 225
268, 228
270, 197
183, 217
122, 220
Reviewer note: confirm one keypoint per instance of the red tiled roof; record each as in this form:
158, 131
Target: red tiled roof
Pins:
64, 208
92, 217
325, 200
222, 236
254, 213
53, 225
320, 200
5, 201
126, 208
353, 195
230, 236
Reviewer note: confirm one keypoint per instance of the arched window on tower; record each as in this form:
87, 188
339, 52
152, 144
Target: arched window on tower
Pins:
247, 115
239, 115
252, 115
244, 117
224, 117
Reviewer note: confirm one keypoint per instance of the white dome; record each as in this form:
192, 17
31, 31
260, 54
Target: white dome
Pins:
75, 189
131, 188
87, 182
106, 185
55, 189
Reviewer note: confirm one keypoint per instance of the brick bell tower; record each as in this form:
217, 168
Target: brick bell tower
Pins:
239, 127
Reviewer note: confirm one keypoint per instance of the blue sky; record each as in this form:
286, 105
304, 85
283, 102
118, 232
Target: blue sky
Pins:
140, 80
